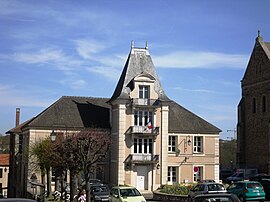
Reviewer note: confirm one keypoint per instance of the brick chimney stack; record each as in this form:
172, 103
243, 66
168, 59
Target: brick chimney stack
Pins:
17, 117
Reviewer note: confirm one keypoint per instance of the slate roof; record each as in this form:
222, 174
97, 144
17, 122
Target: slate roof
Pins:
182, 120
82, 112
265, 46
72, 112
138, 62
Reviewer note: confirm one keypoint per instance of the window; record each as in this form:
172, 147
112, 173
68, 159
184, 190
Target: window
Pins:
198, 144
143, 146
144, 92
254, 105
172, 174
1, 172
172, 143
141, 118
198, 176
144, 95
264, 104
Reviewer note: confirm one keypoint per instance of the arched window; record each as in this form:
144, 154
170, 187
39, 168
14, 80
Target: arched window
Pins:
254, 105
264, 104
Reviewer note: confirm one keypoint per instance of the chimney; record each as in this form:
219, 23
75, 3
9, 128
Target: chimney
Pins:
17, 117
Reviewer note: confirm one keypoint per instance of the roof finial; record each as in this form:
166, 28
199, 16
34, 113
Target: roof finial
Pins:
259, 33
146, 45
132, 44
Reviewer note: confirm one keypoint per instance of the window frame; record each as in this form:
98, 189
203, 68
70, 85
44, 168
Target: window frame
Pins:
144, 91
197, 176
172, 144
198, 142
172, 174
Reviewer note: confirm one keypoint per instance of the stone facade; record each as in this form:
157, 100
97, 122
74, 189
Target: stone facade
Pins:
253, 129
173, 149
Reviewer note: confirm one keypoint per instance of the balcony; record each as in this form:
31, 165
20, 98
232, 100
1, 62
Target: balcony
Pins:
142, 158
143, 131
137, 102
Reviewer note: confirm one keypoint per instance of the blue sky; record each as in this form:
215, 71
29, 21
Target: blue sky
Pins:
49, 49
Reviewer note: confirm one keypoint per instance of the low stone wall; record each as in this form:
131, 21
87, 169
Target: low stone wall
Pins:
158, 196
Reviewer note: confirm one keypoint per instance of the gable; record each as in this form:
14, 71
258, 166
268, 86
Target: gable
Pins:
258, 67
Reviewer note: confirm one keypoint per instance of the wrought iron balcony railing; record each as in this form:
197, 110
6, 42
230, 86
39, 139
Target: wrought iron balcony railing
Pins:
145, 102
143, 130
142, 158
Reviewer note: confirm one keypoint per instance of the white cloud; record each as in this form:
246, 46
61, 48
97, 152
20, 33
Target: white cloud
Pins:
12, 96
193, 59
86, 48
50, 56
43, 56
109, 72
195, 90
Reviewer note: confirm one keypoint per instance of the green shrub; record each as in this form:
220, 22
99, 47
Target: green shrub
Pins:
178, 189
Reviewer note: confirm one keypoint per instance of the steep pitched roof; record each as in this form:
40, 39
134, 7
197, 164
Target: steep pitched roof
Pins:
184, 121
139, 62
260, 51
74, 112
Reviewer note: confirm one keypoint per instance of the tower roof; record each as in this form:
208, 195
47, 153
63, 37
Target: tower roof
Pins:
138, 62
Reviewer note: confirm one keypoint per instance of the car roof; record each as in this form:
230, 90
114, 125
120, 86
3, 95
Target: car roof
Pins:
213, 195
124, 187
207, 183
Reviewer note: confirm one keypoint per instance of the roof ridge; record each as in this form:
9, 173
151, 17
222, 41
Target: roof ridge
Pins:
70, 96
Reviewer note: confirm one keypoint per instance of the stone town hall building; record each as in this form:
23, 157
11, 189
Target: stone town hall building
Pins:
155, 140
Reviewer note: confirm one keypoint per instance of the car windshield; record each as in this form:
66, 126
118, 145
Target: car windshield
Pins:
215, 187
129, 192
99, 189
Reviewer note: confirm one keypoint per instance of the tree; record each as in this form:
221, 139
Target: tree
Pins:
228, 150
74, 152
4, 144
81, 152
43, 151
93, 146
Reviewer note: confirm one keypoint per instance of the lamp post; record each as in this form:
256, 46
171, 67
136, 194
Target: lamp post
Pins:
53, 136
187, 142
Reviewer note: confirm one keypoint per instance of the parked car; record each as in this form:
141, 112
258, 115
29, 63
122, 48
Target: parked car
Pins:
207, 180
125, 194
206, 188
247, 190
224, 197
235, 178
99, 193
265, 182
224, 174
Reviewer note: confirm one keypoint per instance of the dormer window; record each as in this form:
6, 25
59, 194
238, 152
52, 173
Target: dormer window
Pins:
144, 94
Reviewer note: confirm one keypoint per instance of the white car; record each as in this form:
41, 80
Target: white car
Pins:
125, 194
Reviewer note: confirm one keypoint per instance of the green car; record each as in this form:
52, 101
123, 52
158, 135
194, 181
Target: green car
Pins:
247, 190
125, 194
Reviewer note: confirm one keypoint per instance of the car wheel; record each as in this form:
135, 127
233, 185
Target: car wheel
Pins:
241, 198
